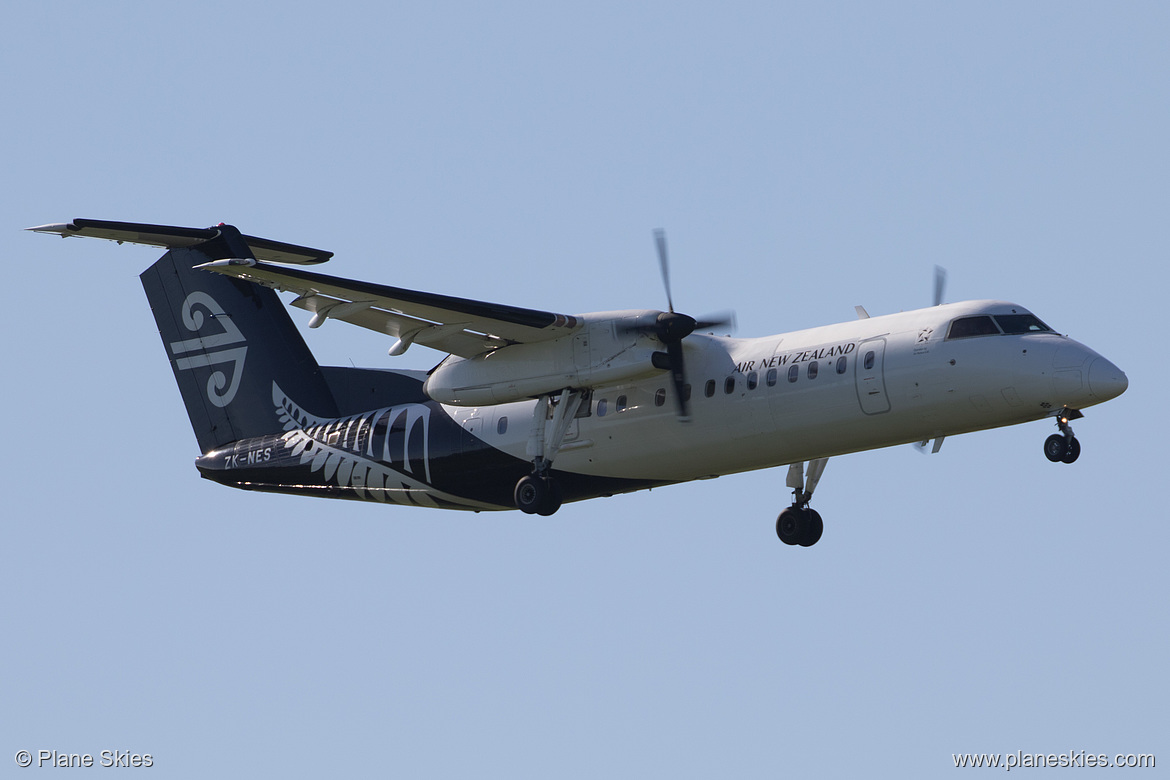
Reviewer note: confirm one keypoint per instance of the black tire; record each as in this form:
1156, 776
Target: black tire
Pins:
816, 527
537, 495
552, 498
1072, 452
792, 525
1055, 448
530, 494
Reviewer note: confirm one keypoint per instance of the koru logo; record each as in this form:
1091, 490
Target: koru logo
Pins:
212, 349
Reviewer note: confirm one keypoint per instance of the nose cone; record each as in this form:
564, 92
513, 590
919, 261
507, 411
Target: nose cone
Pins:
1106, 380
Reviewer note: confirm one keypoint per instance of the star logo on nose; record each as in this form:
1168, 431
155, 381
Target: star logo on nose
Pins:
924, 334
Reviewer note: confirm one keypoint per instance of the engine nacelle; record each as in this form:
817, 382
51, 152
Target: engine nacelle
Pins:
606, 350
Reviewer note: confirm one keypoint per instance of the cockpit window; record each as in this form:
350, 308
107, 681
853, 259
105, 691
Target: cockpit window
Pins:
965, 327
1021, 323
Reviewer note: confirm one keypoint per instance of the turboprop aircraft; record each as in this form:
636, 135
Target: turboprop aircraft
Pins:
529, 408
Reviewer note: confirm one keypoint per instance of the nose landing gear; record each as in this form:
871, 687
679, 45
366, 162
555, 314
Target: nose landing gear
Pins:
1063, 447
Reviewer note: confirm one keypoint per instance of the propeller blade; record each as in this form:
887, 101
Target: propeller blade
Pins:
940, 284
664, 264
717, 321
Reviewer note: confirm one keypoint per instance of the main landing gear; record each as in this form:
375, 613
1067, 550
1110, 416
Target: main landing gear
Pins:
538, 493
799, 524
1063, 447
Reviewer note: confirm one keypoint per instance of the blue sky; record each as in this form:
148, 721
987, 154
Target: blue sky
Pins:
803, 159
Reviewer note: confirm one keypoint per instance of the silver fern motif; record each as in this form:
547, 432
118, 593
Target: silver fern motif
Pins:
342, 450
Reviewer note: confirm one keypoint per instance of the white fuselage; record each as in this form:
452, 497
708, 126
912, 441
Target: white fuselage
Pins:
859, 385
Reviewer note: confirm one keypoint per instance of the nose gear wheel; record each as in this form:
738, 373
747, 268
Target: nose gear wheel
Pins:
1063, 447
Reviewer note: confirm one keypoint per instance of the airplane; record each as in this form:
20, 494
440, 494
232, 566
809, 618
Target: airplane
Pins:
529, 409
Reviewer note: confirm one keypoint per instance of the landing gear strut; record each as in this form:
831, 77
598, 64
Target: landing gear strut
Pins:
799, 524
538, 493
1063, 447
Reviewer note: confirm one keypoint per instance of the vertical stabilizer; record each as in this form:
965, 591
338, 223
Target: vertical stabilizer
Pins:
228, 341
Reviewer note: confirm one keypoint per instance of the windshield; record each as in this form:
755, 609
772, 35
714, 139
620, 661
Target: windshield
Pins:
987, 325
966, 327
1021, 323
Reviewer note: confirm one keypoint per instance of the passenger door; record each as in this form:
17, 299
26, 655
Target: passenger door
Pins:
871, 382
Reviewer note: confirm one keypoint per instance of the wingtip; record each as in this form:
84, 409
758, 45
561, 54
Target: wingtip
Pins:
60, 228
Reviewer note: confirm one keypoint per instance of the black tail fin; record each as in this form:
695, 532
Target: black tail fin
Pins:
228, 342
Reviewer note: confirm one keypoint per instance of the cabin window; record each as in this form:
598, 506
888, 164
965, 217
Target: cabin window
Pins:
793, 373
660, 396
771, 377
868, 362
709, 388
602, 407
1021, 323
620, 404
841, 363
729, 385
966, 327
502, 426
812, 370
753, 380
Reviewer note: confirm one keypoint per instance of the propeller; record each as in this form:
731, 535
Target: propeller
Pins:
671, 327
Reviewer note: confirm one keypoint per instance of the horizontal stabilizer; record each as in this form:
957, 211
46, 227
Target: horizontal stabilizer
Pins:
179, 237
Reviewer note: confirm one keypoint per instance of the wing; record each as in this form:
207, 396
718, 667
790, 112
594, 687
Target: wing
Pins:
459, 326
